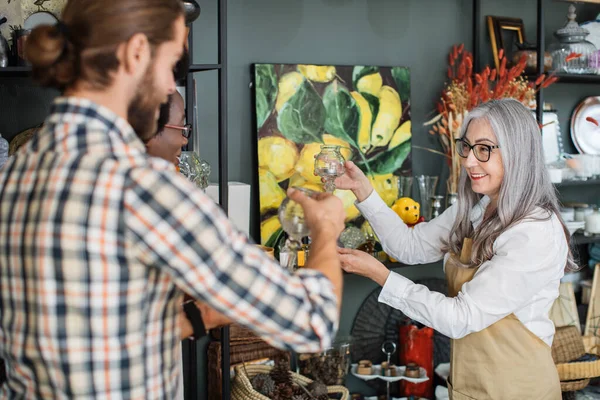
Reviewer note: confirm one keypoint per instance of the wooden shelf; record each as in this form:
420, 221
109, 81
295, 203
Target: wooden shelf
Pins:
204, 67
580, 238
11, 72
589, 182
575, 78
570, 78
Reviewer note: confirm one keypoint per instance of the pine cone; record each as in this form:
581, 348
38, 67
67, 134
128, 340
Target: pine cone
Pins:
282, 392
263, 384
317, 388
281, 372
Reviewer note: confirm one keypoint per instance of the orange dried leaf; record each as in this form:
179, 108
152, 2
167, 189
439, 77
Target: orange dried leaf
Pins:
501, 54
549, 81
461, 71
540, 79
493, 75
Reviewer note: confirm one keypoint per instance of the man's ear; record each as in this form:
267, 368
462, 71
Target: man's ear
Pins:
135, 55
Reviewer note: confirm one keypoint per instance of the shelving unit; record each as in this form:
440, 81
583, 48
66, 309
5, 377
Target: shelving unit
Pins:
580, 238
15, 72
577, 239
191, 391
589, 182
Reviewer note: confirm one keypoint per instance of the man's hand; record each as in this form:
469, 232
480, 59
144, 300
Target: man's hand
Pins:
323, 213
211, 318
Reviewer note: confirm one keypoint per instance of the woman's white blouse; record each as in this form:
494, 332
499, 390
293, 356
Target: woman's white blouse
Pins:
522, 278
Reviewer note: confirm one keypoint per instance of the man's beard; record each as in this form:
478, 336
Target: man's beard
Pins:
142, 112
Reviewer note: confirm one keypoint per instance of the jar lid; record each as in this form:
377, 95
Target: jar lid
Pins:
571, 32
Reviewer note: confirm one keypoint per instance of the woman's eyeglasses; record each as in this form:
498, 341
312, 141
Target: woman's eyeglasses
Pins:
186, 130
481, 151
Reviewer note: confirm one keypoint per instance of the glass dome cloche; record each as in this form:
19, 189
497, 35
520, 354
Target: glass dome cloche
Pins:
572, 53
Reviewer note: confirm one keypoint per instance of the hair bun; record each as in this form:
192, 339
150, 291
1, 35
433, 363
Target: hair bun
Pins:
50, 54
44, 46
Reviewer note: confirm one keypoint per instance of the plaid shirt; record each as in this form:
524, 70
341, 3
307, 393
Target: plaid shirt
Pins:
98, 242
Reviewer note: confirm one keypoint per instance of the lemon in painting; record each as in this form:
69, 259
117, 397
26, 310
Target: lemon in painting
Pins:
348, 198
268, 228
271, 194
278, 155
387, 187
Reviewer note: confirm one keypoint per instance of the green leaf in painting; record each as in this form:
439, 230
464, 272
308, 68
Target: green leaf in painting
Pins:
360, 70
402, 77
266, 92
302, 117
275, 237
342, 113
373, 103
391, 160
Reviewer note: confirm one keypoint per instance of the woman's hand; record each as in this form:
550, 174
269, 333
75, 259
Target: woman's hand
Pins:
361, 263
354, 179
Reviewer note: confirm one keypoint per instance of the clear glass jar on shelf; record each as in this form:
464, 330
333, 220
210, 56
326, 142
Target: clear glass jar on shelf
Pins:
572, 53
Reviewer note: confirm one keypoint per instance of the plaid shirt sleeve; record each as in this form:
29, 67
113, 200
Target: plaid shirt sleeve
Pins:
177, 228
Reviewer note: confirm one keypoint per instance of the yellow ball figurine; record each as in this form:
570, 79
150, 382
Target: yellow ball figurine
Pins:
409, 210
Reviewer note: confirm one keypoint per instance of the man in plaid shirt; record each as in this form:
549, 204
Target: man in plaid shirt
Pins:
98, 240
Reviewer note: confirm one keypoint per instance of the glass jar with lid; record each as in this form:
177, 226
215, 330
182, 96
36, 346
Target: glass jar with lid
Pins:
572, 53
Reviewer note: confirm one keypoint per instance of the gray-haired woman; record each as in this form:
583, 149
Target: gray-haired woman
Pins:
497, 310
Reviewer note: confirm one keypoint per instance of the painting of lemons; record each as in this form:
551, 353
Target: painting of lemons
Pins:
363, 109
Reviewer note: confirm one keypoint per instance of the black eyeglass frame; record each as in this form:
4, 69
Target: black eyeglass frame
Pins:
472, 148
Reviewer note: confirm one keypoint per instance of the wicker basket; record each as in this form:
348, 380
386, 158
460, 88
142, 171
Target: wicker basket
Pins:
568, 346
573, 386
242, 389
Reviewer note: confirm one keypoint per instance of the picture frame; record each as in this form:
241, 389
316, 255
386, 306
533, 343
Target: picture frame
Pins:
505, 33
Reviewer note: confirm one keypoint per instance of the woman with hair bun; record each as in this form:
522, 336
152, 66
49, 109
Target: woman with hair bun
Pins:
505, 249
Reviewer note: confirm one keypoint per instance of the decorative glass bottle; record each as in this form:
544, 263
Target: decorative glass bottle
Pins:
194, 168
329, 165
291, 217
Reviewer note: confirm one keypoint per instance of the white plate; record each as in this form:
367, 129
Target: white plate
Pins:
399, 374
585, 134
594, 28
441, 393
443, 370
39, 18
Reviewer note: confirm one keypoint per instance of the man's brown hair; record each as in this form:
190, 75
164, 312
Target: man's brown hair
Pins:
83, 46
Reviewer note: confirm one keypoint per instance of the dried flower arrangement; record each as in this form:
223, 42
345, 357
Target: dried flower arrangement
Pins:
466, 90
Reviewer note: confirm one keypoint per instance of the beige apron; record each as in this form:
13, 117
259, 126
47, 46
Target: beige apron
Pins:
504, 361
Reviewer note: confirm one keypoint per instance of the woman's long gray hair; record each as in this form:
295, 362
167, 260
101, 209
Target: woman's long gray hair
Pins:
525, 186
